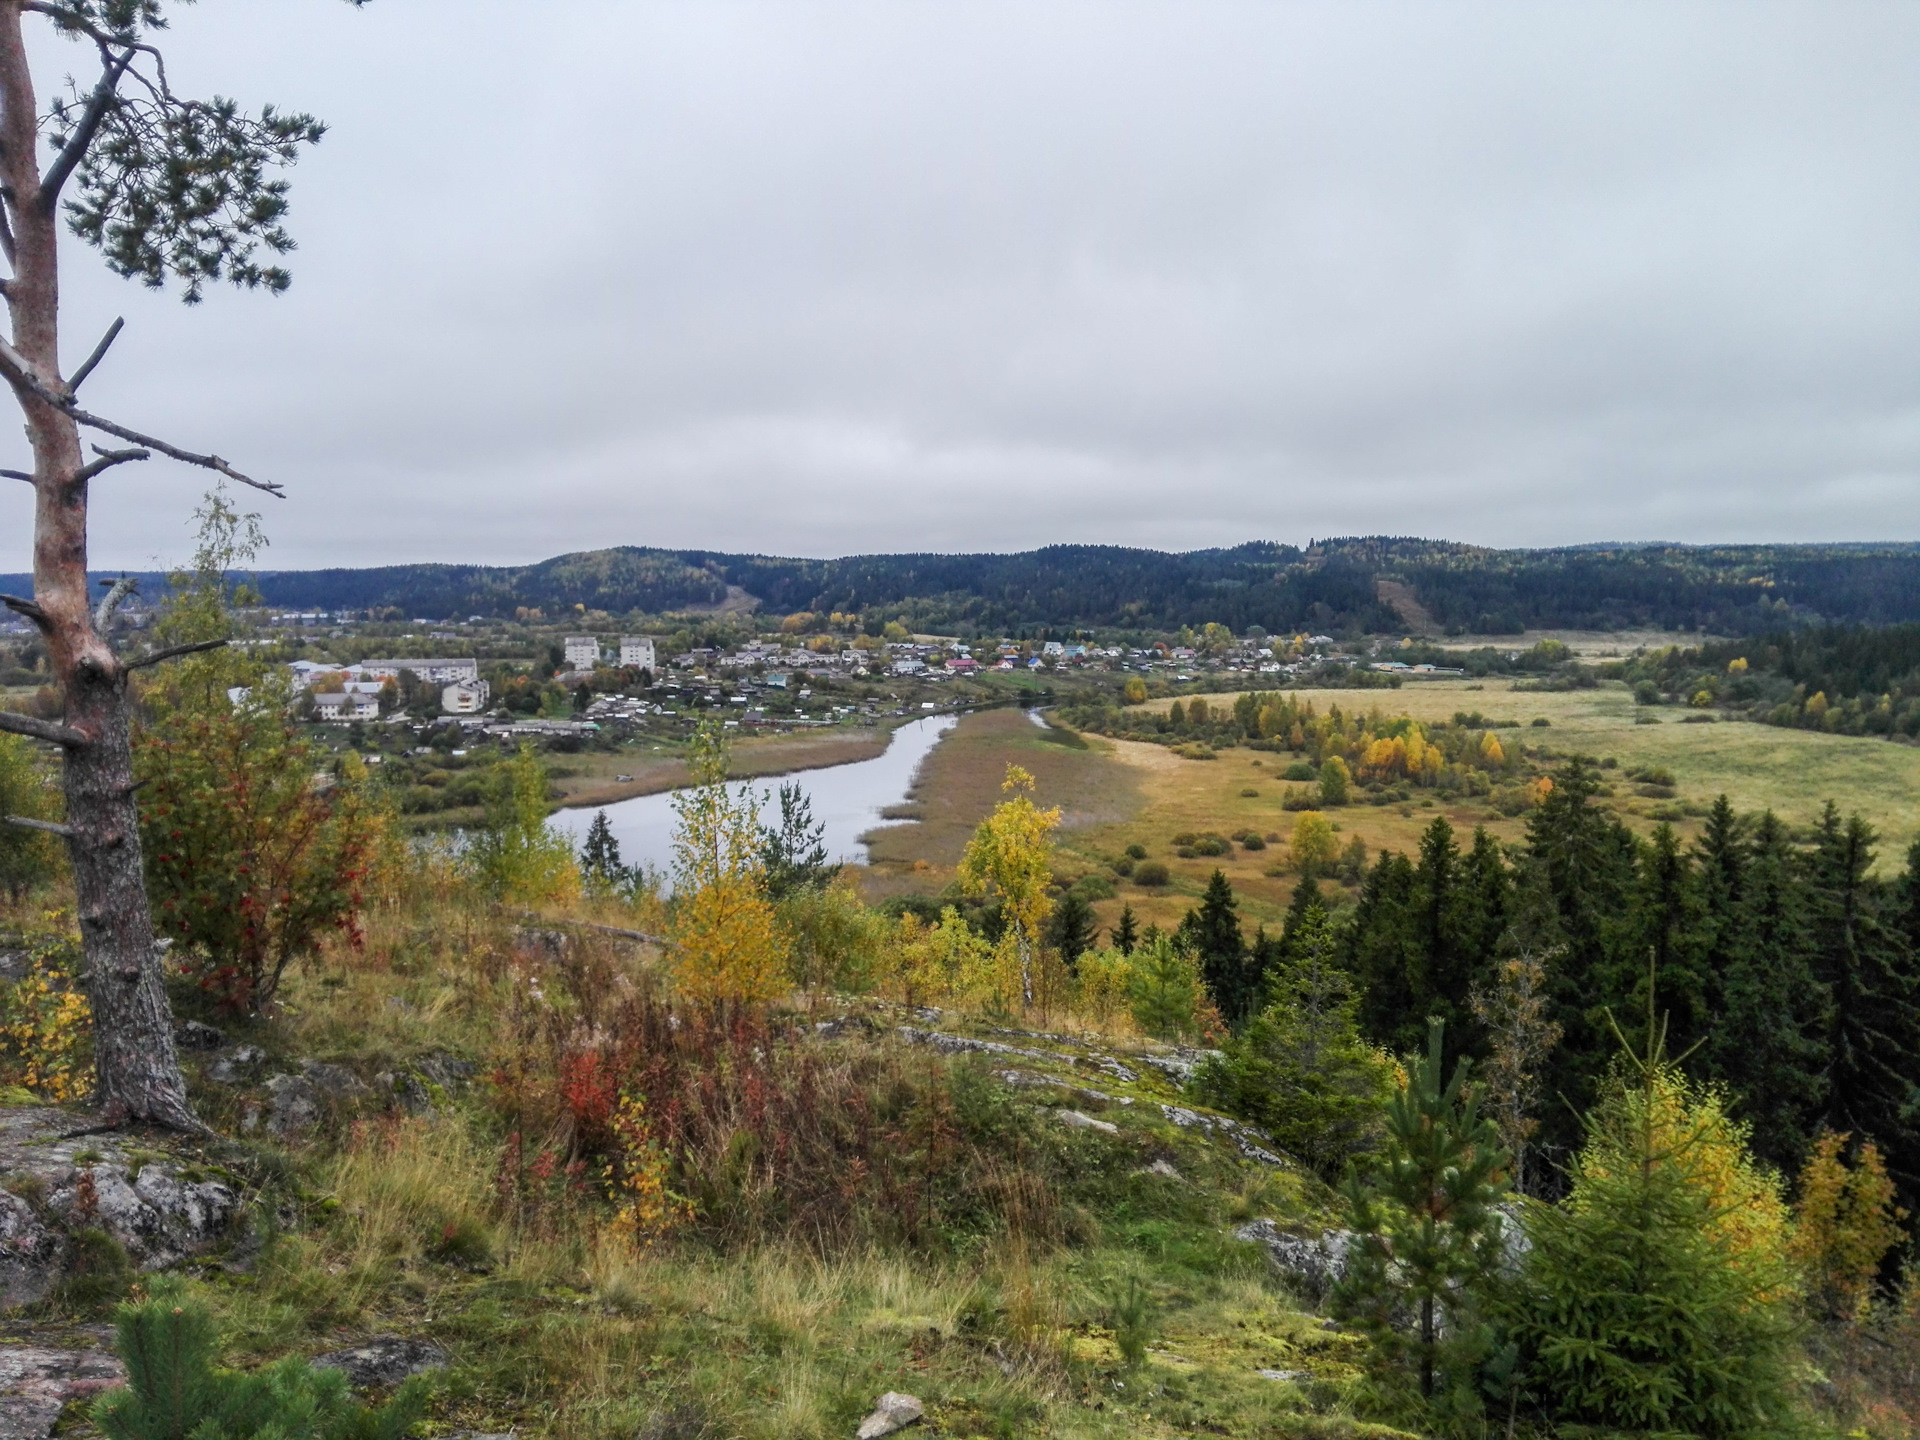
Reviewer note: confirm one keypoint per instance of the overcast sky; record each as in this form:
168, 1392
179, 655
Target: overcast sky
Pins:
828, 278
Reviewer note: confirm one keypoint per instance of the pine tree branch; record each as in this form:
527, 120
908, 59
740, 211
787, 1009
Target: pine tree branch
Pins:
99, 353
108, 459
110, 601
75, 150
49, 826
173, 652
18, 724
27, 608
25, 375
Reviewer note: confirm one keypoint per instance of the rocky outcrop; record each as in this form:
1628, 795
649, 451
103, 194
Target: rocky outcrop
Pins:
1244, 1138
36, 1384
1315, 1263
59, 1179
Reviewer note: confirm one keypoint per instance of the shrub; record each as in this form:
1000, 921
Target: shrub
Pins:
1094, 887
1313, 847
1211, 845
1122, 867
1151, 874
1136, 851
1300, 770
250, 865
1846, 1222
1253, 840
1541, 722
46, 1024
515, 858
1248, 793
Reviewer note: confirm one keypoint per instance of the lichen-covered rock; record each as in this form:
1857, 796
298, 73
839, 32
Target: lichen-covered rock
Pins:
295, 1104
37, 1383
31, 1253
1076, 1120
335, 1081
1245, 1139
242, 1066
894, 1411
383, 1362
193, 1035
1316, 1262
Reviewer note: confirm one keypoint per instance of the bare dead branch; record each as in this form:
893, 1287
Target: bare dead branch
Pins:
75, 150
173, 652
16, 723
110, 602
17, 475
28, 608
99, 353
6, 224
108, 459
51, 827
186, 457
25, 375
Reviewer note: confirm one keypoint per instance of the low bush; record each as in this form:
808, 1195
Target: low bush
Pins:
1300, 770
1136, 851
1151, 874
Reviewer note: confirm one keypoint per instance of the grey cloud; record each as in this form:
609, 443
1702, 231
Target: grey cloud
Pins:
824, 278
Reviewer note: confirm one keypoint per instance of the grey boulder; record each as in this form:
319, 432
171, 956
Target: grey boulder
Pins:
894, 1411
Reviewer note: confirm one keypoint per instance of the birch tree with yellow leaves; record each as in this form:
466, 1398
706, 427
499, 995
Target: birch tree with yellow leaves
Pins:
723, 924
1011, 857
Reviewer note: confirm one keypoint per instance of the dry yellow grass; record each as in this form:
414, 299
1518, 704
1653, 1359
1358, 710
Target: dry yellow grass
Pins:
1119, 793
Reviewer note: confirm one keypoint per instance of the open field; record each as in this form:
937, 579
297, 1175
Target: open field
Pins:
959, 783
1117, 793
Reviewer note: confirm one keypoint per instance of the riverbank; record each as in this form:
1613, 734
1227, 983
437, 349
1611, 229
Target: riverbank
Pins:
607, 779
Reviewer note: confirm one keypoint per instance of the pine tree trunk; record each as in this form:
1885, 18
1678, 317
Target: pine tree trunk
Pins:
137, 1068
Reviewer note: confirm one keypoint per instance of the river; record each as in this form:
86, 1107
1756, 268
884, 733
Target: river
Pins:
847, 798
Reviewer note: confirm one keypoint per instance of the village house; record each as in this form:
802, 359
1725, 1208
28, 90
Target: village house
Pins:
342, 707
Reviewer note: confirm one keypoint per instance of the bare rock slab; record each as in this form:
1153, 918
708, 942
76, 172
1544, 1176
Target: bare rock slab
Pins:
383, 1362
894, 1411
36, 1384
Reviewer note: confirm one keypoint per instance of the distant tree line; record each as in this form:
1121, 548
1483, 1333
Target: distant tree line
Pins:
1332, 586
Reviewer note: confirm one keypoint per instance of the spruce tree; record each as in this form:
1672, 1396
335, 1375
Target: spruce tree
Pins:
1299, 1068
1212, 933
1126, 934
1662, 947
1873, 1014
1375, 951
1765, 1045
1070, 929
600, 862
1580, 864
1428, 1234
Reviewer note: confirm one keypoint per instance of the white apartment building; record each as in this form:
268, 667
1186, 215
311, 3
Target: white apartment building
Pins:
468, 697
582, 651
434, 672
637, 650
347, 707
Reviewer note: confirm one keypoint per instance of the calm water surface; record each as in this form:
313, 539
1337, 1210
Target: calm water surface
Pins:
847, 798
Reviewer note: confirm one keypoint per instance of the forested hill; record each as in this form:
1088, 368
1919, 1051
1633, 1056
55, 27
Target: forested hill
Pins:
1374, 584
